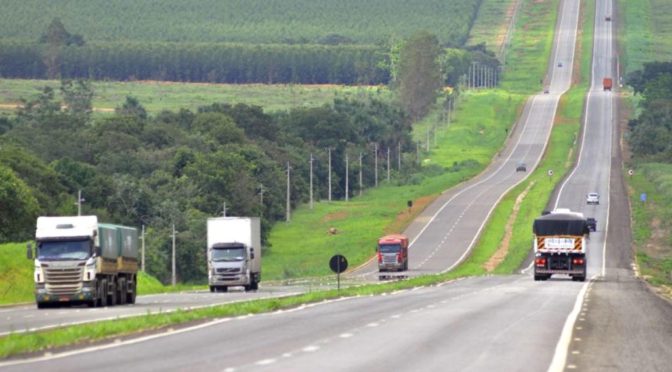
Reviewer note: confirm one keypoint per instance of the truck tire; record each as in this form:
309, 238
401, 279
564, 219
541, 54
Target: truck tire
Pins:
42, 305
112, 295
223, 289
132, 293
213, 289
102, 293
122, 291
255, 285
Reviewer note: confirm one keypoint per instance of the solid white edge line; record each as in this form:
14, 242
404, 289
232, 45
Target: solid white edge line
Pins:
560, 355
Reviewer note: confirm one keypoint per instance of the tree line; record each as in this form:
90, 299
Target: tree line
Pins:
650, 133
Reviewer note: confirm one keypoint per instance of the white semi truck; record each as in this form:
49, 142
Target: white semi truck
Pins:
234, 253
78, 260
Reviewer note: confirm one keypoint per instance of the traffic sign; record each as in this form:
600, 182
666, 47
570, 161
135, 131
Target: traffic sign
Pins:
642, 197
338, 264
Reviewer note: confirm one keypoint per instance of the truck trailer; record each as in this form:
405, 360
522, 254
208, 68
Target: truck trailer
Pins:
607, 83
78, 260
560, 245
392, 251
234, 253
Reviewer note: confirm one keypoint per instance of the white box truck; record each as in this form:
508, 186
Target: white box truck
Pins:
234, 253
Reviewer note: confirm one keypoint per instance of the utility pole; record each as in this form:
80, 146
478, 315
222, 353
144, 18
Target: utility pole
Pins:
347, 170
287, 211
329, 173
375, 158
80, 200
142, 257
399, 156
224, 209
361, 184
388, 164
261, 196
311, 181
173, 277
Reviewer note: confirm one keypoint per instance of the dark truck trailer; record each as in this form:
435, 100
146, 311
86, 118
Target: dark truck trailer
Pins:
560, 245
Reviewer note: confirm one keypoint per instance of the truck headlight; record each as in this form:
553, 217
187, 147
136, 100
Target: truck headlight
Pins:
90, 270
38, 274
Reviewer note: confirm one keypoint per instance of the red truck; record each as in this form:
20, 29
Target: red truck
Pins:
607, 83
392, 253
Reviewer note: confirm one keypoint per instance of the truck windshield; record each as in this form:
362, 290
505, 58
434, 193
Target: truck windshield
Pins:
228, 254
64, 250
390, 248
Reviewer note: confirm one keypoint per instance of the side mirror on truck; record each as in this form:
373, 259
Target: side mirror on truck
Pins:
29, 251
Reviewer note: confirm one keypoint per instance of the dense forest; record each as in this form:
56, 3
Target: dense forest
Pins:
650, 135
181, 166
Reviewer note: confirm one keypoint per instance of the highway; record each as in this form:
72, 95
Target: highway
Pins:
611, 322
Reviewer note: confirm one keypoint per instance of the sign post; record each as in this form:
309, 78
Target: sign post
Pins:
338, 264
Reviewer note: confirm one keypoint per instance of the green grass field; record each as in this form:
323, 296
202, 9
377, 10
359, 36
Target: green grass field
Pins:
492, 23
158, 96
248, 21
530, 48
645, 32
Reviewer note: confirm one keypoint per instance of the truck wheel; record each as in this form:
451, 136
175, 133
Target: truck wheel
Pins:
213, 289
132, 294
42, 305
255, 285
102, 293
223, 289
121, 291
112, 295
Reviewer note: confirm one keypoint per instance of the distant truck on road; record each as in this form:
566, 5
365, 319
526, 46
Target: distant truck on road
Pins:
392, 251
607, 83
560, 245
234, 253
78, 260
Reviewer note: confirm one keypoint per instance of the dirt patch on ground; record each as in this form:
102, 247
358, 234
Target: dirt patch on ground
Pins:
336, 216
657, 245
503, 249
405, 217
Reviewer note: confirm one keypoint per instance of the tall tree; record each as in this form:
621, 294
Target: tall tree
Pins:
419, 73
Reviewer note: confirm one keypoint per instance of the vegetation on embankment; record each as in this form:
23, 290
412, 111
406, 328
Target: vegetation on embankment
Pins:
645, 35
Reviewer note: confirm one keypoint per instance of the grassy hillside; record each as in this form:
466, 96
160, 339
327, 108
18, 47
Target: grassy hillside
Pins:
157, 96
249, 21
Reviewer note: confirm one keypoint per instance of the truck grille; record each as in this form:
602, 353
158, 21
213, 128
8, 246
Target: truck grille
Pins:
390, 259
63, 281
228, 270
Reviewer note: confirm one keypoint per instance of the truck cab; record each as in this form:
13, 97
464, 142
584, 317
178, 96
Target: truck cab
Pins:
392, 252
